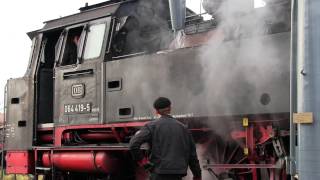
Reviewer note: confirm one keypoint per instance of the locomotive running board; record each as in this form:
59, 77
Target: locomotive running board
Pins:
123, 146
277, 165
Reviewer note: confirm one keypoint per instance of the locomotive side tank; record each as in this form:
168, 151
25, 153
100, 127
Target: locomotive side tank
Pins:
228, 79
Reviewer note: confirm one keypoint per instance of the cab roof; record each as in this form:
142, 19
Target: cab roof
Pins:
86, 13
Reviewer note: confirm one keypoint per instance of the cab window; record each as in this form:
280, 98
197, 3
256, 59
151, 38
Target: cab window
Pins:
94, 41
70, 53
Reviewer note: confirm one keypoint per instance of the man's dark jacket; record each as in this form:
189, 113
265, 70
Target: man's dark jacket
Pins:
172, 147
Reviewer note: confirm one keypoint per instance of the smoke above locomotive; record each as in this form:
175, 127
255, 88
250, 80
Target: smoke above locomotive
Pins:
238, 66
247, 67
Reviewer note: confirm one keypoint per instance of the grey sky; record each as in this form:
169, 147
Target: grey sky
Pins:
19, 17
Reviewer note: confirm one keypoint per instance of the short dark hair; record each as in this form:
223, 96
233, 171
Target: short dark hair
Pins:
161, 103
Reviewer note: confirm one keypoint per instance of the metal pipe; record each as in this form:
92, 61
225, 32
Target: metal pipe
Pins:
308, 88
177, 14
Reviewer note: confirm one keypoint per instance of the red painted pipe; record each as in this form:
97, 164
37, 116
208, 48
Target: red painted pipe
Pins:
92, 136
88, 162
96, 136
46, 138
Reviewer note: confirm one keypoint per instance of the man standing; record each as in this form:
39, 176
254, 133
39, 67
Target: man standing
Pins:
172, 146
71, 52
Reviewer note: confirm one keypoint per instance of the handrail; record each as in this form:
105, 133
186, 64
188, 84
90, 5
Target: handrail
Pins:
3, 129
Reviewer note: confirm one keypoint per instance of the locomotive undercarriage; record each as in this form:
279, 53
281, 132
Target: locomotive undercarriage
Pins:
257, 151
248, 147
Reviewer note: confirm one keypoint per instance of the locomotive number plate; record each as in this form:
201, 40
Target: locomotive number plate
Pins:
77, 108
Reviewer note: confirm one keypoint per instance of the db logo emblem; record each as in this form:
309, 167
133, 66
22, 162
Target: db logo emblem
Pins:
77, 90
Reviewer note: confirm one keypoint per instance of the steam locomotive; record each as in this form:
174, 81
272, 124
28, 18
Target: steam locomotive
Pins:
92, 77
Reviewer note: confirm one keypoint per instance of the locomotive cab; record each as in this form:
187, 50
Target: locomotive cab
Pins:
80, 86
78, 72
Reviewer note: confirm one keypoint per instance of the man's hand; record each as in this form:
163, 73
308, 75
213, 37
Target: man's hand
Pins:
143, 162
197, 178
146, 164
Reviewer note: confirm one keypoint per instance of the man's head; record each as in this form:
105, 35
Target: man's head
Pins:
162, 105
76, 39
